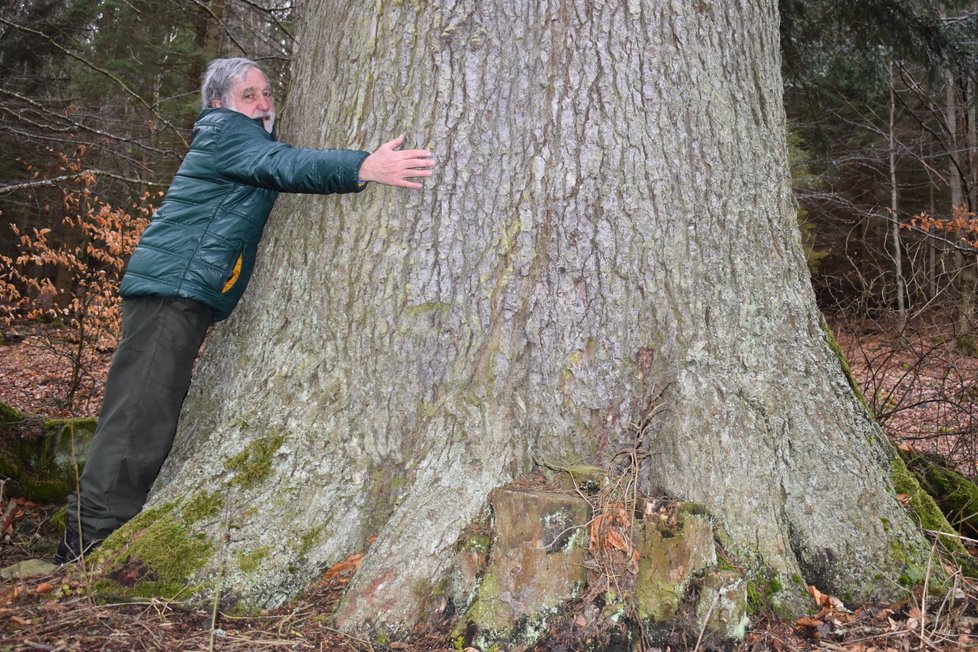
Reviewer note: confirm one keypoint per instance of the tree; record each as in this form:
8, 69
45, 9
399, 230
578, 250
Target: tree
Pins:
611, 235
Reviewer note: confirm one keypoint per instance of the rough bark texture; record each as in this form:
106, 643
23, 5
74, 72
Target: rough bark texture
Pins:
611, 217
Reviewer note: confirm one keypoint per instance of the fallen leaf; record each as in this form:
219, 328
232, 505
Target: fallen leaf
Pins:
825, 600
615, 540
806, 621
817, 595
44, 587
11, 596
19, 623
350, 563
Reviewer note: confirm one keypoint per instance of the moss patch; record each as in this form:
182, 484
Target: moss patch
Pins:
928, 514
844, 363
9, 415
910, 558
254, 463
308, 540
156, 554
957, 498
202, 505
956, 495
248, 561
483, 609
44, 457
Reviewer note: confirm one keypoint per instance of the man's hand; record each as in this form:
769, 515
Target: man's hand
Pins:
393, 167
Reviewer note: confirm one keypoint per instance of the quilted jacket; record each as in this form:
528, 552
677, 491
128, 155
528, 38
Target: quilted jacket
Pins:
202, 240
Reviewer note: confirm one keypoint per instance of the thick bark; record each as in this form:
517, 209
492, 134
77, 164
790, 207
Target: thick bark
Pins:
611, 218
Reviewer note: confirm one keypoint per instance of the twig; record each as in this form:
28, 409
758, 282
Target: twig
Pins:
923, 595
8, 516
220, 576
952, 535
90, 594
52, 182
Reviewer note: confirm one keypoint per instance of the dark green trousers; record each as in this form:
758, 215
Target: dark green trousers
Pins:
148, 380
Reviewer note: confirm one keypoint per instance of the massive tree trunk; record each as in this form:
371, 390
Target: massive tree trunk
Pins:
611, 222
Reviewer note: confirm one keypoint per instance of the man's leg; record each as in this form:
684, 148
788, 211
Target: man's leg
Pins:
147, 382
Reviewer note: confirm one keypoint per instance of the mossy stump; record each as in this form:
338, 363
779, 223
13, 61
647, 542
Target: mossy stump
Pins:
956, 495
535, 565
44, 457
669, 558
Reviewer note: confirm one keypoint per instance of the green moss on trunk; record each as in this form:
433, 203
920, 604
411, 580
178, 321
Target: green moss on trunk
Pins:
928, 514
158, 553
844, 363
254, 463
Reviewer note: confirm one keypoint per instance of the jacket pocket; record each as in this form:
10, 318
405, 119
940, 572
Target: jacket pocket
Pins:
234, 274
213, 264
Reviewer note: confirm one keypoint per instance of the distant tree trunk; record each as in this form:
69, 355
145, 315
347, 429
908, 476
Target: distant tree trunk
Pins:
895, 216
612, 219
207, 38
972, 139
967, 278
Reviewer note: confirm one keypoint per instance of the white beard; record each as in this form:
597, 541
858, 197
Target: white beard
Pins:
267, 122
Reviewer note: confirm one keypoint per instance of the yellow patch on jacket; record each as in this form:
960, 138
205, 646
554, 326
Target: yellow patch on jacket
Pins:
235, 273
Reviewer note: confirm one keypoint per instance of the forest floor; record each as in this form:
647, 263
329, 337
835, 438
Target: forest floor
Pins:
924, 390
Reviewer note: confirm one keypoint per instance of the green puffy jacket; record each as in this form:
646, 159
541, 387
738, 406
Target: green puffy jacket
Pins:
202, 239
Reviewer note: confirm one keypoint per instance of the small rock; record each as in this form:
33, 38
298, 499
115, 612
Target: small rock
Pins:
28, 568
722, 606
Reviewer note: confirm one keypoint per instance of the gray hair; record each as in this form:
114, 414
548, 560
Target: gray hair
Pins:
220, 77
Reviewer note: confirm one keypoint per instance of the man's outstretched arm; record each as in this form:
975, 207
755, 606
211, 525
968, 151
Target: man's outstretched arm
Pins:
395, 167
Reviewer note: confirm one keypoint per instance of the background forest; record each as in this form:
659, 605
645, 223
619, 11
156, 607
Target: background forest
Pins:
99, 96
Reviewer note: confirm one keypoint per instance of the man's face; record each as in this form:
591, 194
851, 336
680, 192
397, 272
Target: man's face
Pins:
252, 96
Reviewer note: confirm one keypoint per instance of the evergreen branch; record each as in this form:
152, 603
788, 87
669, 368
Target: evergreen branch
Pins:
121, 84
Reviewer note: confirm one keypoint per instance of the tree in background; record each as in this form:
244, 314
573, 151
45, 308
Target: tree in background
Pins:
866, 92
611, 236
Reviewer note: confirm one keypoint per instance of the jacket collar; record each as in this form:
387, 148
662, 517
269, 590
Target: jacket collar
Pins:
258, 121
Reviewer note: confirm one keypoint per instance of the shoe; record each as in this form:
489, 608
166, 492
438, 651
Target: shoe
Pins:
70, 548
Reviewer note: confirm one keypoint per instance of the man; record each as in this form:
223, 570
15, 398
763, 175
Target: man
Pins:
190, 268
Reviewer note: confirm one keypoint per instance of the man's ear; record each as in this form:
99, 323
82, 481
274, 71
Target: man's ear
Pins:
215, 104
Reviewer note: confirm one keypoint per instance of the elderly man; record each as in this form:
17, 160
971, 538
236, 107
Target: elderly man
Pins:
190, 268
